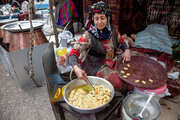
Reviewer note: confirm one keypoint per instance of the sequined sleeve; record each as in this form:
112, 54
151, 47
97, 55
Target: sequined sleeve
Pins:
81, 45
122, 44
119, 38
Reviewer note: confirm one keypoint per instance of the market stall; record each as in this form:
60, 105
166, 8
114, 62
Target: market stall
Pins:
151, 74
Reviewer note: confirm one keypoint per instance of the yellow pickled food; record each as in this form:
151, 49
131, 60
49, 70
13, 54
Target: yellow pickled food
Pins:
150, 80
144, 82
92, 99
125, 68
136, 81
128, 74
124, 76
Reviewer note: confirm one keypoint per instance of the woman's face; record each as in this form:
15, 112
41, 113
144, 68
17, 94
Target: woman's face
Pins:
100, 20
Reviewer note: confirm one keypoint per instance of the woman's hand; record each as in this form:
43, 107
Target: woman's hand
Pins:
79, 72
126, 56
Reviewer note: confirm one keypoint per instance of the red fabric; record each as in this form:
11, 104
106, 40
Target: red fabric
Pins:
105, 41
114, 79
94, 10
62, 19
145, 51
161, 56
100, 74
74, 52
23, 16
173, 87
121, 40
66, 13
110, 63
107, 48
167, 59
82, 39
3, 2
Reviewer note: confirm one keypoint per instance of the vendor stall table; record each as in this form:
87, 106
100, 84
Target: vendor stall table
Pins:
105, 114
54, 81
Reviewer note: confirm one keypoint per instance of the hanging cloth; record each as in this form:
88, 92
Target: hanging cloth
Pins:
67, 11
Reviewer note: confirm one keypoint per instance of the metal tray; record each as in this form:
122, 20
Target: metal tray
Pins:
22, 26
4, 21
142, 68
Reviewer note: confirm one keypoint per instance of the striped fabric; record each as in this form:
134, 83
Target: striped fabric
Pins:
67, 11
155, 37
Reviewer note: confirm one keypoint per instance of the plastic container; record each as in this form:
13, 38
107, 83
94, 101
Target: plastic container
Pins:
75, 27
62, 60
61, 56
158, 92
65, 37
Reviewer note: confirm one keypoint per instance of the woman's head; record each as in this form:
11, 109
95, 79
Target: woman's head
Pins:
100, 20
99, 15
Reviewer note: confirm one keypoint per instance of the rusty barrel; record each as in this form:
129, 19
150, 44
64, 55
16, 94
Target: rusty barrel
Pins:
2, 32
6, 36
20, 34
23, 40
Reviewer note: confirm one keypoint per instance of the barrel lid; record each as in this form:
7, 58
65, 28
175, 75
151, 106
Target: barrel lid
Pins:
4, 21
22, 26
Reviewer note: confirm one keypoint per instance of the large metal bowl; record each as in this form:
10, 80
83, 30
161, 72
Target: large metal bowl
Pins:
134, 103
94, 80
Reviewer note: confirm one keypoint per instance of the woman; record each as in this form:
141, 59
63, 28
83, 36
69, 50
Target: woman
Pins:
100, 41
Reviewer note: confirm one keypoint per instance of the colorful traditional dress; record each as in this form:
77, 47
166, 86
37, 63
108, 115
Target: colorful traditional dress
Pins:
99, 47
99, 63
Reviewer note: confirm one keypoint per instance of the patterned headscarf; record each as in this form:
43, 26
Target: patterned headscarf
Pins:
100, 8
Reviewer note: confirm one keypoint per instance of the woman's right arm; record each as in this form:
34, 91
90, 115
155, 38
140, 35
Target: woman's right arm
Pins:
81, 45
79, 72
74, 63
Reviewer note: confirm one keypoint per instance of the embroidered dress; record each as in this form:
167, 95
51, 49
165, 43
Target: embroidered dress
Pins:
99, 47
107, 69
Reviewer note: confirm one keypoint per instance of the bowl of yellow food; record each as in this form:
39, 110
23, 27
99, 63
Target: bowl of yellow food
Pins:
82, 98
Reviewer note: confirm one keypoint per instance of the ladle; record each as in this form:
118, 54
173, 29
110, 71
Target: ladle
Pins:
89, 82
139, 116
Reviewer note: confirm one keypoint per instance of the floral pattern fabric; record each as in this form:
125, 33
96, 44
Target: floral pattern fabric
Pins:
107, 71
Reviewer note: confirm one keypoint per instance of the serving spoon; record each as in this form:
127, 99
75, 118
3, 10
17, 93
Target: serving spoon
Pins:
139, 116
89, 82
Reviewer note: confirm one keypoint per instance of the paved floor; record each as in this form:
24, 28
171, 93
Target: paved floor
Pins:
170, 110
19, 104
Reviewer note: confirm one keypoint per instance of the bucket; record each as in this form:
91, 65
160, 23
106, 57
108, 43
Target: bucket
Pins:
134, 103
